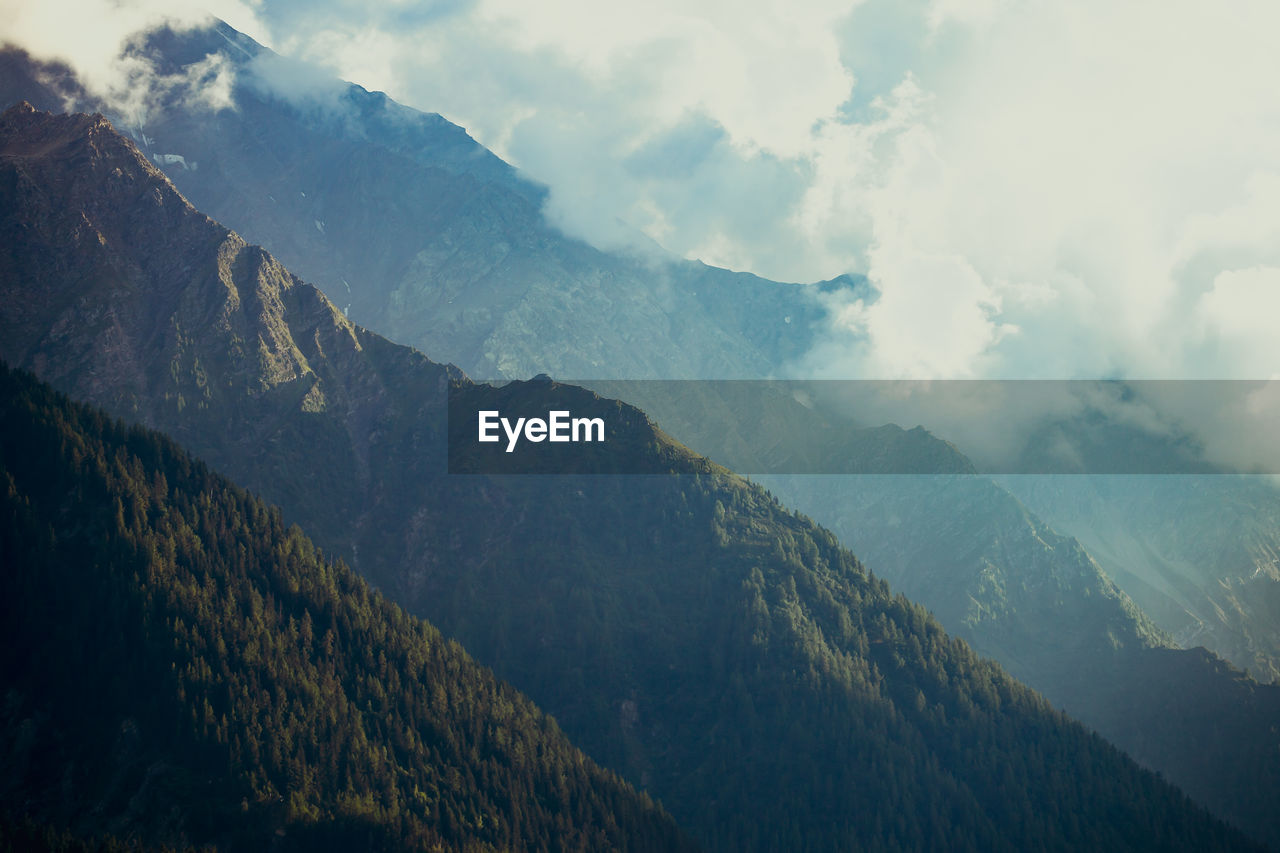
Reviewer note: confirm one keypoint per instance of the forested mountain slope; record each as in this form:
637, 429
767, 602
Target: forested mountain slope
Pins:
179, 668
996, 575
685, 630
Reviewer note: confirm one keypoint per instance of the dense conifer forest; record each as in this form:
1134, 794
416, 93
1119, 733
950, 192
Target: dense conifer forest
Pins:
180, 667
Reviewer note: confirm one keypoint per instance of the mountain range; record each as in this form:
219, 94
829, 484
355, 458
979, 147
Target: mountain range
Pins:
425, 236
422, 234
685, 630
417, 231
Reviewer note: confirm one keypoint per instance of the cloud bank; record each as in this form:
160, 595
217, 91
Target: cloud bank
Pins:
1034, 189
99, 40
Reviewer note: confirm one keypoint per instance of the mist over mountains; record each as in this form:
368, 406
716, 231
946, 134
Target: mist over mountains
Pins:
412, 229
711, 642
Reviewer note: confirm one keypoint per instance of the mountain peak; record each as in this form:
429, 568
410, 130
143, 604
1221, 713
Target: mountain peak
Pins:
87, 140
502, 312
203, 288
24, 111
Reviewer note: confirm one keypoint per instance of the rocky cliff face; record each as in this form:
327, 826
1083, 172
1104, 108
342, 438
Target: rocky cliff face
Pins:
1200, 553
417, 231
198, 321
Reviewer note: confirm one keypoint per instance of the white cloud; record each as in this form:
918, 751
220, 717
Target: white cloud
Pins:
766, 72
1051, 169
1035, 188
93, 39
1238, 318
1085, 170
577, 93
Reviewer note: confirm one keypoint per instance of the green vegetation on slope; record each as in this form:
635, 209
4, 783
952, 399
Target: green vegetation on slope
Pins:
1000, 578
178, 667
733, 657
686, 631
1035, 600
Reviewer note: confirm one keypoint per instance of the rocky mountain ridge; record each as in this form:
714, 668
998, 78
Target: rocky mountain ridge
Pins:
686, 631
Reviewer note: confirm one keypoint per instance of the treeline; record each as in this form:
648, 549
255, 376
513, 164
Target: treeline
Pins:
179, 667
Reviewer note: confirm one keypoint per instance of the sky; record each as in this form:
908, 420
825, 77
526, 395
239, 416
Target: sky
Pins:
1034, 189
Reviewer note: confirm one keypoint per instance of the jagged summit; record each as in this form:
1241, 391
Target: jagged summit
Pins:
41, 129
459, 259
199, 318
